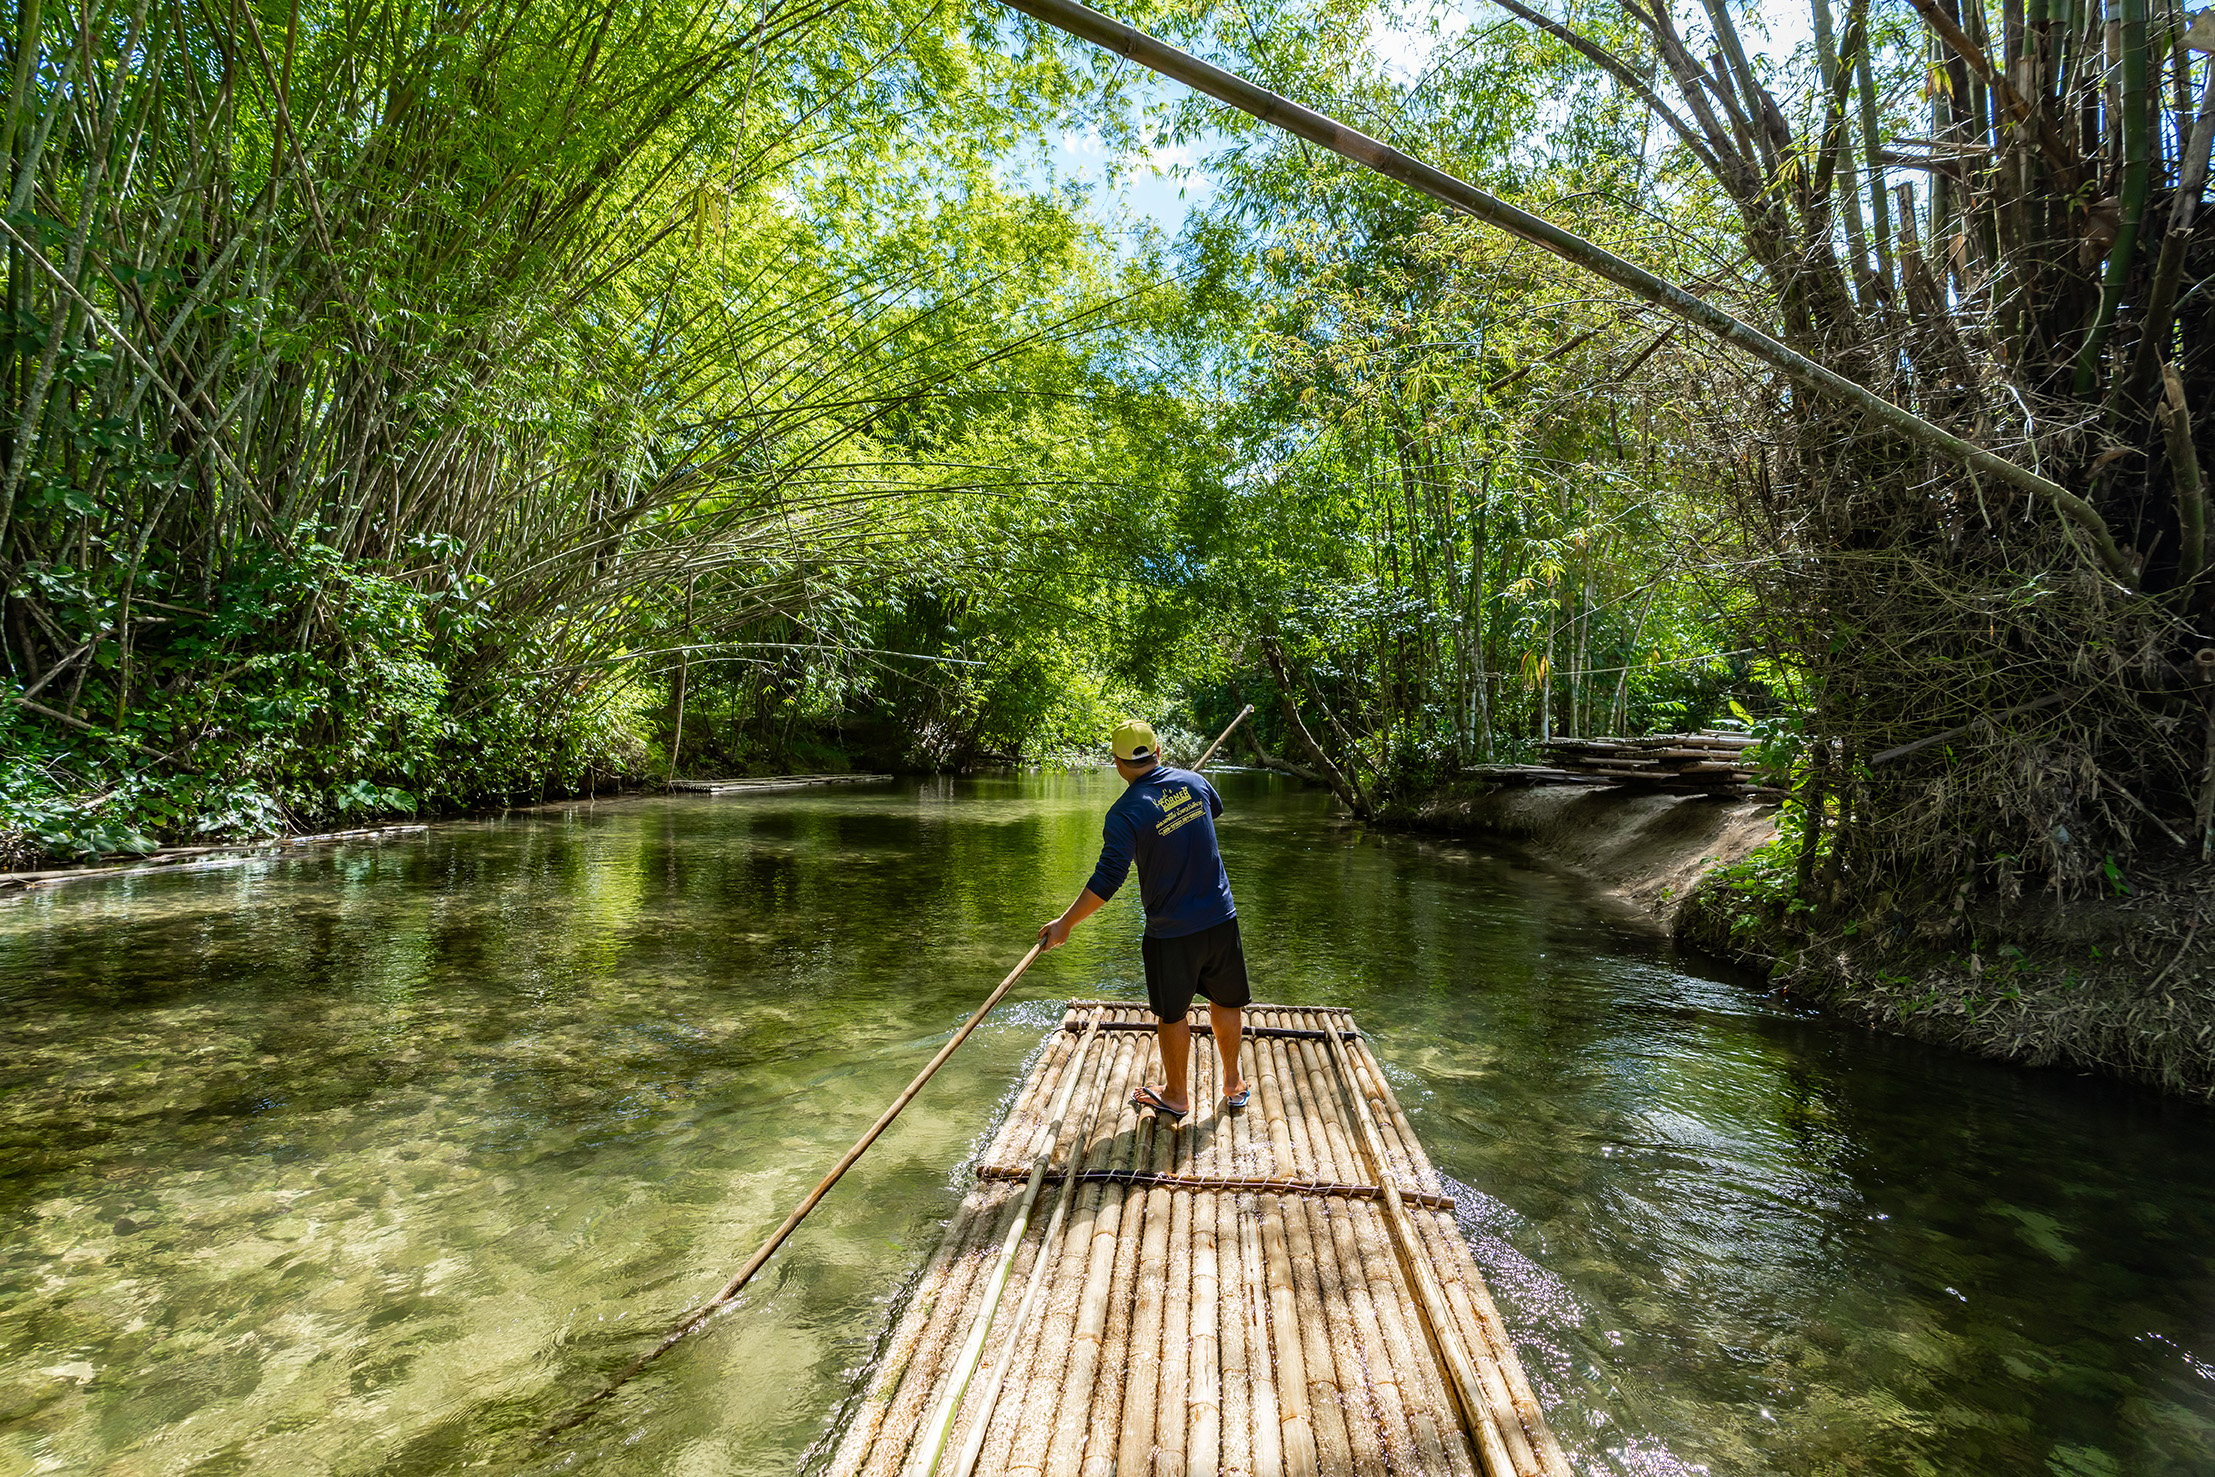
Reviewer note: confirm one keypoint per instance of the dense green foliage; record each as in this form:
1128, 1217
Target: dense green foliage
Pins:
397, 401
409, 409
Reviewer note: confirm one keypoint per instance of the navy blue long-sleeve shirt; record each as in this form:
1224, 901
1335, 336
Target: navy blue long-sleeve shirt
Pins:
1165, 821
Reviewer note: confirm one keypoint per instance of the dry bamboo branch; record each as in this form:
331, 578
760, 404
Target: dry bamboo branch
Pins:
1089, 25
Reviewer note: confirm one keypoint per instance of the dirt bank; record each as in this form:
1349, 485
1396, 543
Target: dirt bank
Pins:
2122, 986
1652, 850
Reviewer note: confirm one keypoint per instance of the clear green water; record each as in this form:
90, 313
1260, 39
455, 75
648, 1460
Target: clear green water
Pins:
371, 1161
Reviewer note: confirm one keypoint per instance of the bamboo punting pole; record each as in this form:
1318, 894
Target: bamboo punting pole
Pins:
932, 1443
1279, 112
1209, 752
1437, 1313
698, 1318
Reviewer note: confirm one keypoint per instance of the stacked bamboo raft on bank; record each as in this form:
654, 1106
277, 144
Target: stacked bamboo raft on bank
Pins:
775, 782
1228, 1295
1710, 762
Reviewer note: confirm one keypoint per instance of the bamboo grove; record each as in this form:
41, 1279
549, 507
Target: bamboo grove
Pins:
393, 398
405, 406
1998, 695
1986, 215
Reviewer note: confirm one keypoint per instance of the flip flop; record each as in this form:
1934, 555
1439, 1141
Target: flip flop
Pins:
1240, 1098
1146, 1097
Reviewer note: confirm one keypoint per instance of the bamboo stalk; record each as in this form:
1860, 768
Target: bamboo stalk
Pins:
1112, 1386
1301, 1457
904, 1414
1072, 1420
899, 1352
1494, 1388
1044, 1388
1404, 1426
1089, 25
2135, 114
1348, 1340
1172, 1396
1236, 1325
1431, 1409
1235, 1451
1326, 1396
1204, 1449
2184, 473
1142, 1382
1398, 1128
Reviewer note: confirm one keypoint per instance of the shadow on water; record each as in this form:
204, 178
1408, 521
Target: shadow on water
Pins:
373, 1160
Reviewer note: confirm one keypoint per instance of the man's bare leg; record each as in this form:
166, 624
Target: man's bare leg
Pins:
1176, 1063
1229, 1023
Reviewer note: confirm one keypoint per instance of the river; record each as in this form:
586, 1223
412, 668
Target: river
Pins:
372, 1159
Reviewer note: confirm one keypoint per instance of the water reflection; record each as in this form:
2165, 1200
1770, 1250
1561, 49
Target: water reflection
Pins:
374, 1159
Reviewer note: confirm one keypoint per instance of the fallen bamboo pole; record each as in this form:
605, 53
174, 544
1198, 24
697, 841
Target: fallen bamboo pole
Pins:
1317, 128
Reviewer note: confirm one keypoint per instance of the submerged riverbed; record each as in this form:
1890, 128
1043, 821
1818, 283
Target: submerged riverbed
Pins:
373, 1160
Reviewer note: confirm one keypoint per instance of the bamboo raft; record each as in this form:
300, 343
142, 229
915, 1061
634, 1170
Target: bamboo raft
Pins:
1241, 1293
775, 782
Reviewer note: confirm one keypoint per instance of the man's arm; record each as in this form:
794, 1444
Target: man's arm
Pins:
1116, 841
1056, 933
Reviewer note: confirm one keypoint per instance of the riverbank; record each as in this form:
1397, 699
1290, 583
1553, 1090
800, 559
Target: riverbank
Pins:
2121, 986
1652, 850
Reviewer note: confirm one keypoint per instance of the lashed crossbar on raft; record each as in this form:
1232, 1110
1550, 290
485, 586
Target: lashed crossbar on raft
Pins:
1227, 1296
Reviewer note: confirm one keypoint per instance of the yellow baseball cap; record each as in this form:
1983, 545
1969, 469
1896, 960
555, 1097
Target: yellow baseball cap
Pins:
1135, 742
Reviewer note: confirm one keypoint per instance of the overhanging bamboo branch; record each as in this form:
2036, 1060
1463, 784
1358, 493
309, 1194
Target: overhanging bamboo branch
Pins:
1279, 112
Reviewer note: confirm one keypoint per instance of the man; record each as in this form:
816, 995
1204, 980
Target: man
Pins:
1165, 820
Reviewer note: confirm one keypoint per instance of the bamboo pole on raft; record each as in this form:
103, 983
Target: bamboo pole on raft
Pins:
1465, 1386
941, 1422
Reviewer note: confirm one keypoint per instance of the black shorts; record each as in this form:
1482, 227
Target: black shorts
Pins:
1211, 962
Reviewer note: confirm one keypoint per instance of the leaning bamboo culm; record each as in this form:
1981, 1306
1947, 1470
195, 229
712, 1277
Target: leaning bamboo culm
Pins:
1249, 1307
